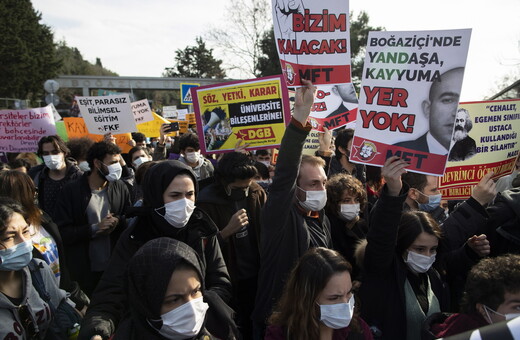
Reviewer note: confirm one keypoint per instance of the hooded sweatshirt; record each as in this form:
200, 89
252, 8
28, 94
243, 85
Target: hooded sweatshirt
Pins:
11, 324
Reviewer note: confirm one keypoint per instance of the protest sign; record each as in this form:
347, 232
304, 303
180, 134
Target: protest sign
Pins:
255, 111
334, 106
107, 114
312, 40
409, 95
152, 128
20, 130
142, 112
485, 139
190, 117
76, 128
170, 112
60, 130
181, 114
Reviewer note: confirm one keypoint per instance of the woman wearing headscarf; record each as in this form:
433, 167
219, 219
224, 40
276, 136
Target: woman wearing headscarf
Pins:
166, 294
169, 190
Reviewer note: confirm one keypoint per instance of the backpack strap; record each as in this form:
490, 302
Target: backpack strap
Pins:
37, 281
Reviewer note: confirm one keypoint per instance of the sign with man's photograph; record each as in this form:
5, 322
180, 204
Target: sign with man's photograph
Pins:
485, 139
254, 111
409, 96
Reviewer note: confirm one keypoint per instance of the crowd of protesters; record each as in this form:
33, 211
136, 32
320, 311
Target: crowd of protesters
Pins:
164, 242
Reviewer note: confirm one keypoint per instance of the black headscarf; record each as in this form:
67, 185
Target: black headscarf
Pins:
155, 182
149, 273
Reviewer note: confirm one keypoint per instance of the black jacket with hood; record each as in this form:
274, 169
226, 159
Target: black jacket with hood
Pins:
109, 302
147, 278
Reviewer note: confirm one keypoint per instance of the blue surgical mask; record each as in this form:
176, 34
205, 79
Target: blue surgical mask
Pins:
434, 201
16, 257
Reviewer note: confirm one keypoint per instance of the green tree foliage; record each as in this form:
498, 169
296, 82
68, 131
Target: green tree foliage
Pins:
196, 62
72, 63
359, 29
269, 63
27, 51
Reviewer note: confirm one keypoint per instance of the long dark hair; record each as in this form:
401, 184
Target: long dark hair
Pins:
297, 310
412, 224
8, 207
20, 187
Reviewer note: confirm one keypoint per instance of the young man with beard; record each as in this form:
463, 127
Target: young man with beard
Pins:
89, 215
463, 146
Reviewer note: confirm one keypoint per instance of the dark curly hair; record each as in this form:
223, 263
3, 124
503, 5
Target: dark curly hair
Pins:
336, 187
99, 151
233, 166
489, 280
79, 147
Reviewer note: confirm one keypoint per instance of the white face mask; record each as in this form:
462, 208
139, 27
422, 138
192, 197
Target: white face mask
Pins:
53, 162
338, 315
114, 172
192, 157
349, 211
314, 200
419, 263
184, 322
178, 212
83, 166
137, 162
507, 316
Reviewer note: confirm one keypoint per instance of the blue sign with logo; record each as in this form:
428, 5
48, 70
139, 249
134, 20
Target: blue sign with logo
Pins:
186, 94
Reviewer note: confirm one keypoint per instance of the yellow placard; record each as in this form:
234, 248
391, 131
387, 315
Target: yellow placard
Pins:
76, 128
254, 111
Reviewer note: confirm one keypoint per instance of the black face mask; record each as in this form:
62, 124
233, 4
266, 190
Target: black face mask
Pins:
237, 194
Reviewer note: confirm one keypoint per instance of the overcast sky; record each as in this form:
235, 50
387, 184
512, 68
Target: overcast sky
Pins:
139, 38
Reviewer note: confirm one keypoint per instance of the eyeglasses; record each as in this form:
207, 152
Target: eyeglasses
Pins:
27, 322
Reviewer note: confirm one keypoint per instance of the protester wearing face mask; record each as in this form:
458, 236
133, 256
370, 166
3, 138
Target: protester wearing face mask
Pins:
468, 219
139, 155
318, 301
23, 313
190, 154
403, 252
167, 295
45, 235
491, 295
293, 219
56, 171
234, 203
90, 215
168, 210
346, 198
78, 150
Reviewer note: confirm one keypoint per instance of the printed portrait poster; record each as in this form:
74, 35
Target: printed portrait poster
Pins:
334, 106
255, 111
485, 139
106, 114
20, 130
312, 40
409, 95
